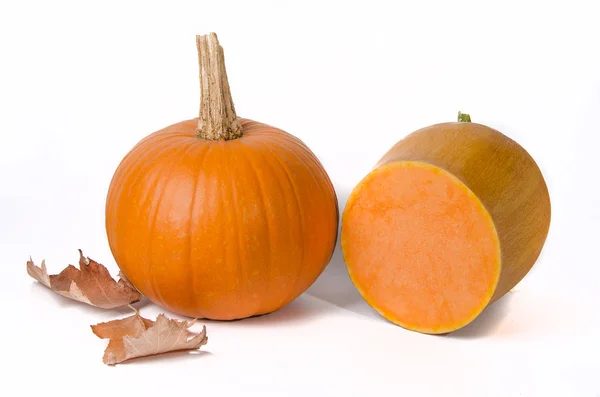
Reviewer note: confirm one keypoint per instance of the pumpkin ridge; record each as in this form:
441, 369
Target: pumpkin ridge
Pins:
131, 162
300, 158
155, 210
249, 165
135, 154
123, 178
276, 170
283, 136
314, 161
203, 153
217, 192
145, 155
328, 189
277, 156
140, 175
242, 292
262, 306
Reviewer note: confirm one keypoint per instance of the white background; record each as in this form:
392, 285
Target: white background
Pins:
82, 82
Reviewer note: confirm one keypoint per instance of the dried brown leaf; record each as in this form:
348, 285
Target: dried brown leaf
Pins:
136, 336
38, 273
91, 284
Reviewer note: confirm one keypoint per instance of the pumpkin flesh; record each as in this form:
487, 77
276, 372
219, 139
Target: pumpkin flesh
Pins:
420, 247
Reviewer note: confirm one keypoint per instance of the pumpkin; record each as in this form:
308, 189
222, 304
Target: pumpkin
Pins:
221, 217
449, 220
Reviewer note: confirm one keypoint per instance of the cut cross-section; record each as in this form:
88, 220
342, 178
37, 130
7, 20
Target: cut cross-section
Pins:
420, 247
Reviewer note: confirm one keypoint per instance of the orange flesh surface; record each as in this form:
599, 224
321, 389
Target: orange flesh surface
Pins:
420, 247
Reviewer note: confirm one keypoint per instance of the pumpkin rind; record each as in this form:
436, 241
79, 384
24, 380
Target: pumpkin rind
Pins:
221, 229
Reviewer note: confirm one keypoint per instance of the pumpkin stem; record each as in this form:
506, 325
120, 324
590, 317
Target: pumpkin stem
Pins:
217, 119
463, 117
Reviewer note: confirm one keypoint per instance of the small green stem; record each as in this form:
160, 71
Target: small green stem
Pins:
463, 118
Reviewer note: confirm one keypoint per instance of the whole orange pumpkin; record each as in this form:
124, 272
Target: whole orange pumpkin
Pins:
221, 217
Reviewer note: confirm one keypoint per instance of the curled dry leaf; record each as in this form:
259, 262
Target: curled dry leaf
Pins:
136, 336
91, 283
